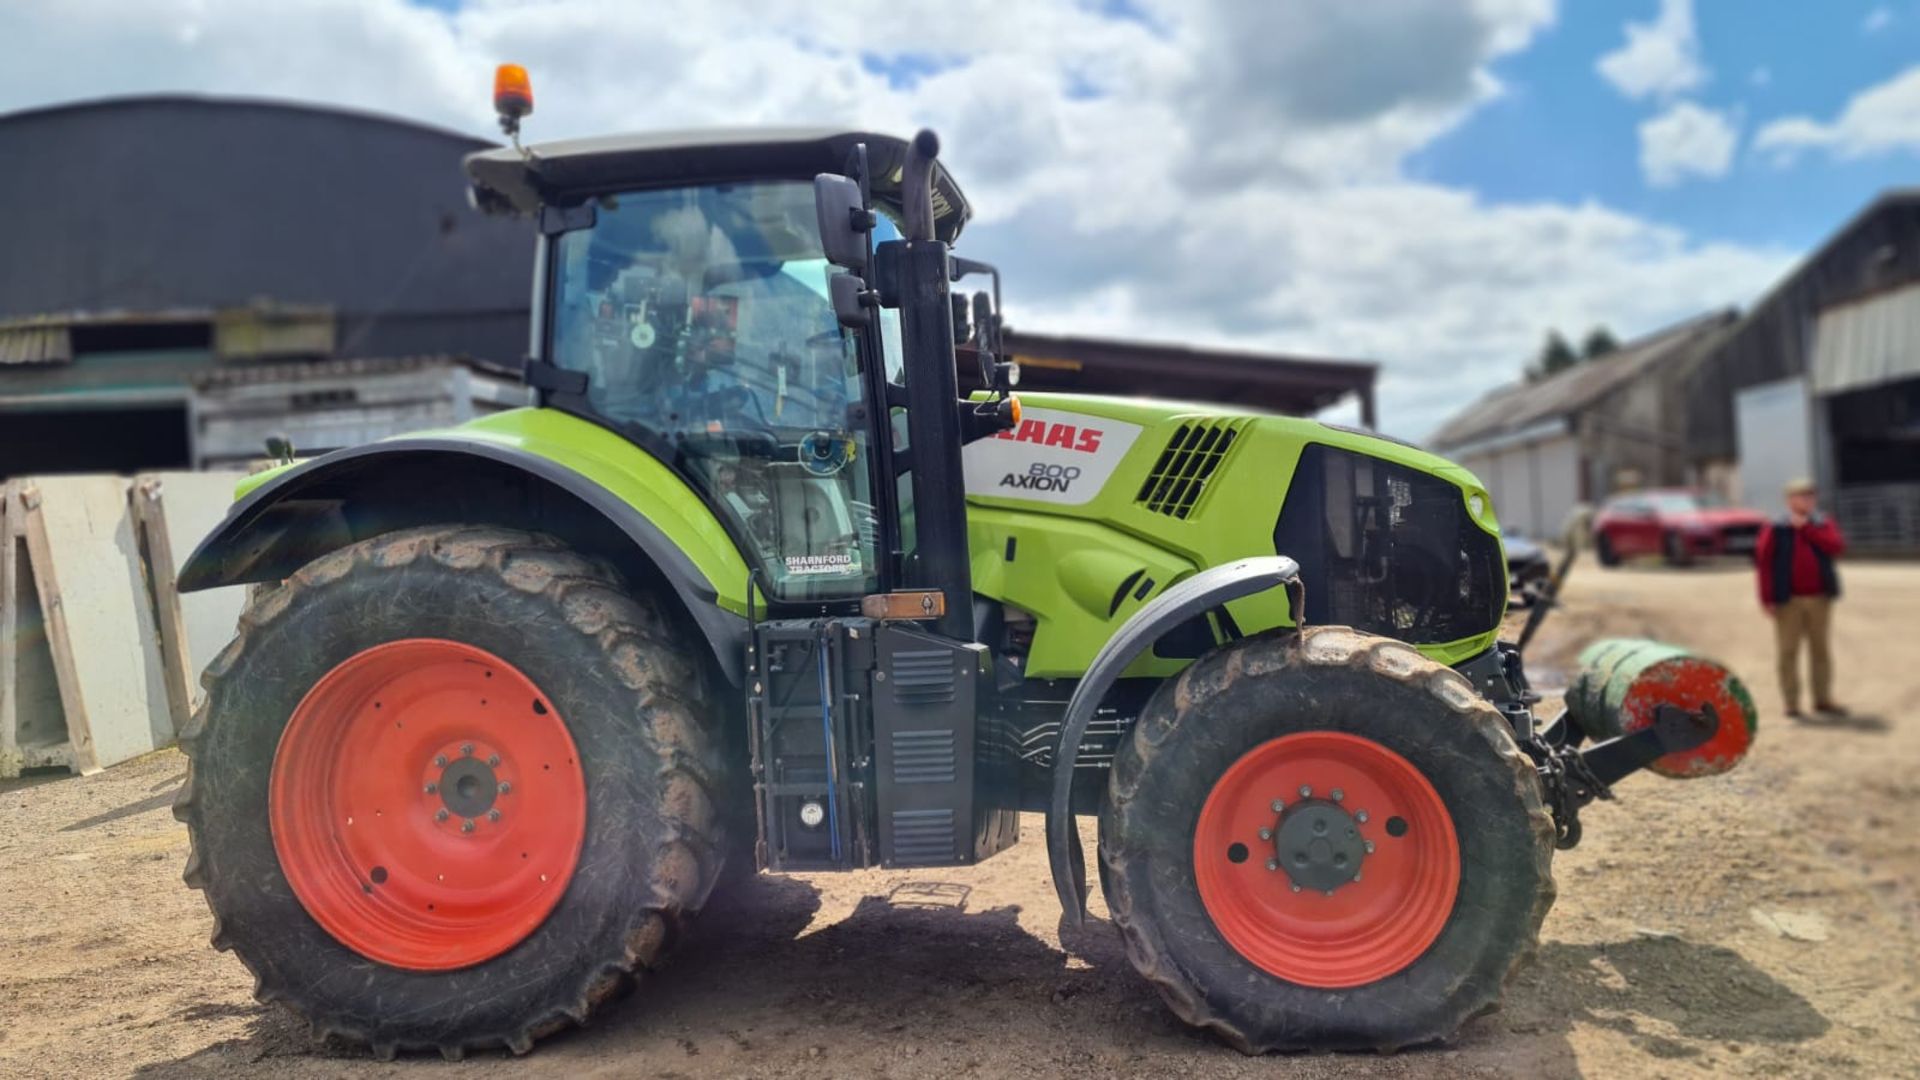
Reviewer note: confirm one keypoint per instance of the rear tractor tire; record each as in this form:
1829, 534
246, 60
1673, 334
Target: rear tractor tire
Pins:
451, 790
1325, 841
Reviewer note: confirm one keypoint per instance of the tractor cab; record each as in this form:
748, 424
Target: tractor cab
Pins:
685, 299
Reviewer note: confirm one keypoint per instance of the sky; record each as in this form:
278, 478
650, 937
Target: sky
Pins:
1429, 184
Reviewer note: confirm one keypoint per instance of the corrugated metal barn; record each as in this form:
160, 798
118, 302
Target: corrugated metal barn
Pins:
1822, 377
157, 241
1606, 425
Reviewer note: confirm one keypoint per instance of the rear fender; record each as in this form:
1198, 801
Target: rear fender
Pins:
652, 527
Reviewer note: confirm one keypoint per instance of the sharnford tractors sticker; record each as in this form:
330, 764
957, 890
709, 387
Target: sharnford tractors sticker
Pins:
1052, 456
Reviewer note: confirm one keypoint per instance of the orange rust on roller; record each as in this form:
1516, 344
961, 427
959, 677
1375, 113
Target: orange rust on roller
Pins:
1623, 681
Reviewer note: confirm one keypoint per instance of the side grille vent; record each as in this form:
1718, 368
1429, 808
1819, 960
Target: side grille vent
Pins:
923, 676
923, 757
923, 835
1179, 479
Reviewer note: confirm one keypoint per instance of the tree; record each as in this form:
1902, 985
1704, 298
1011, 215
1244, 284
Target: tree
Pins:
1599, 342
1556, 356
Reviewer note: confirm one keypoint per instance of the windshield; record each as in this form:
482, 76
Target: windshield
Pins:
1679, 502
701, 319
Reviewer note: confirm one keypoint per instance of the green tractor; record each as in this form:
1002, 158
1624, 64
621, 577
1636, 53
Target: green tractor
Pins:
756, 586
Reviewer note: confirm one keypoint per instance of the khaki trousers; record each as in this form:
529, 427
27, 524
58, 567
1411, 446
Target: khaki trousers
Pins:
1808, 619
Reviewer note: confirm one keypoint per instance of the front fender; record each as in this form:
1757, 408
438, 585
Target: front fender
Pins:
1196, 595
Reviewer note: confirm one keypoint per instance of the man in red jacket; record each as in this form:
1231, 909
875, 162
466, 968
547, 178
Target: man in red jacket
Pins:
1798, 586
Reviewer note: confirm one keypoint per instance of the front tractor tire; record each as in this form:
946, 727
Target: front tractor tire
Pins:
451, 789
1323, 840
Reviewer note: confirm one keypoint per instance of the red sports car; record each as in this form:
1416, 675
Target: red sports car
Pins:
1676, 523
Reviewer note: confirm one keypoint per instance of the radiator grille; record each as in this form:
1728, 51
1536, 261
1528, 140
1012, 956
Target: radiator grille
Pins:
923, 757
1179, 479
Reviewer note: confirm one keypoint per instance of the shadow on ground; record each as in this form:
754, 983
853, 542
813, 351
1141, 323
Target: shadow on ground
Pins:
901, 979
1667, 995
1868, 723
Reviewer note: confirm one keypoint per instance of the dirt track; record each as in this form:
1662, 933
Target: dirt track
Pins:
1765, 923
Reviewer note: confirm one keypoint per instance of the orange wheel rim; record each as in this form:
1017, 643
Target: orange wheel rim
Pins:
1326, 859
427, 804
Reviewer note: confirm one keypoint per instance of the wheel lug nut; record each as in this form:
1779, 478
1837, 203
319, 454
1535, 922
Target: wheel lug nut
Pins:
1361, 817
431, 788
493, 815
1338, 795
493, 760
1296, 887
505, 788
440, 814
1266, 834
1278, 806
466, 749
467, 825
1369, 847
1273, 864
1305, 791
440, 760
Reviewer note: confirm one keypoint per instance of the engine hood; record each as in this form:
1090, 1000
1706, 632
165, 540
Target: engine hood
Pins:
1069, 448
1091, 505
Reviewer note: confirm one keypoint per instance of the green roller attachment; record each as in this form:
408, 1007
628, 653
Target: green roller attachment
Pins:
1622, 681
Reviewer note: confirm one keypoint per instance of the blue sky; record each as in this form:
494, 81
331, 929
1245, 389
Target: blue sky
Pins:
1433, 185
1561, 132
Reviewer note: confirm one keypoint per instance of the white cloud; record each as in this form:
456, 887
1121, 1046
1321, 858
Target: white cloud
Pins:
1659, 58
1877, 20
1213, 174
1686, 141
1879, 120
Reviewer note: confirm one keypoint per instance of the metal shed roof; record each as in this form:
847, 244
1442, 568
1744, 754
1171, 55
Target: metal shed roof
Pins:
1867, 342
1518, 407
181, 202
1285, 384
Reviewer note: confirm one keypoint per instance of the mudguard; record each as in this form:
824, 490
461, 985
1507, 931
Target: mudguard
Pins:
1198, 594
287, 521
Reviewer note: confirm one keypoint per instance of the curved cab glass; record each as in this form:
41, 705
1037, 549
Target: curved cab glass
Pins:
701, 319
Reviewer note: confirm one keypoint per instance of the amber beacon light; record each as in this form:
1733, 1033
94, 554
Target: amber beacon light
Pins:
512, 96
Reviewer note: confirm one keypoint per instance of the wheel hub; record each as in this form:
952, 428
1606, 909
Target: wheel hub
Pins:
468, 786
1319, 845
427, 804
1341, 897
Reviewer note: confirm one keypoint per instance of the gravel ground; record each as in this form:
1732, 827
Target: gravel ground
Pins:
1763, 923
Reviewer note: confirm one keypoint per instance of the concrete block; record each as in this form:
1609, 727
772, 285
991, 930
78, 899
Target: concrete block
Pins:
33, 719
83, 557
191, 504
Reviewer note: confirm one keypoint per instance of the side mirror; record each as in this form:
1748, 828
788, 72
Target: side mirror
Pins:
852, 300
986, 342
846, 225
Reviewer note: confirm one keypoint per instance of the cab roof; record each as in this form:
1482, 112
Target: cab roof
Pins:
506, 180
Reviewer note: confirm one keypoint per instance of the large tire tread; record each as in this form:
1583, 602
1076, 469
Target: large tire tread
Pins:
639, 640
1321, 647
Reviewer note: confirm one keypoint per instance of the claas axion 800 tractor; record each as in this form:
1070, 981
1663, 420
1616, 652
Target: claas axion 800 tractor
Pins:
755, 586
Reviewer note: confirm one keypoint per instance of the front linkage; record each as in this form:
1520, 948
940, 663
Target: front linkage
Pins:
1574, 771
1572, 776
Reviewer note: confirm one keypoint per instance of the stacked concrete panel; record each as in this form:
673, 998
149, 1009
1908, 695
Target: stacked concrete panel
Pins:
96, 648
